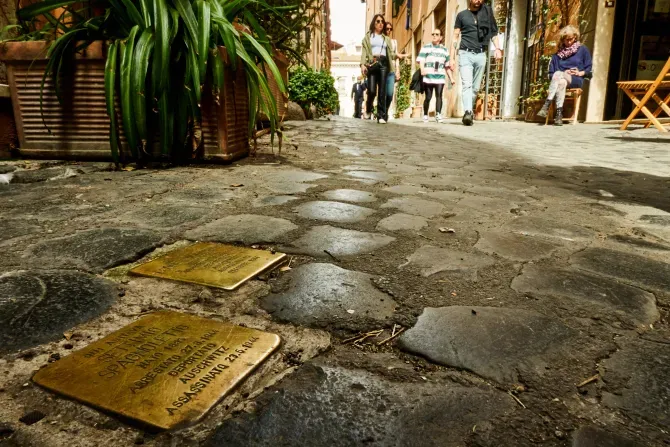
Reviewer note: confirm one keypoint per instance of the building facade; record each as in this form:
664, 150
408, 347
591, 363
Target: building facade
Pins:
637, 30
317, 38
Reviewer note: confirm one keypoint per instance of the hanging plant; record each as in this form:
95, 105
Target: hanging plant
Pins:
161, 55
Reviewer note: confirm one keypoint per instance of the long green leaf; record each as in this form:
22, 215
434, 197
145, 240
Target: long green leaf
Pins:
193, 75
145, 9
127, 113
42, 7
165, 121
110, 89
204, 29
267, 60
161, 60
218, 74
134, 13
228, 35
188, 16
140, 67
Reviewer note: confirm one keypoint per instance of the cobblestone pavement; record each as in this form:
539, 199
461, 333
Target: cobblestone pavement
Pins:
525, 269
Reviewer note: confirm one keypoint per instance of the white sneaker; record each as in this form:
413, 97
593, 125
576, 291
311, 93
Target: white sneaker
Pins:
382, 121
425, 118
439, 118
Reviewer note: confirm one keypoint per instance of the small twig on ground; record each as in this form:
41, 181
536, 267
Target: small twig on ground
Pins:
362, 336
589, 380
393, 331
426, 237
516, 399
391, 337
331, 255
289, 261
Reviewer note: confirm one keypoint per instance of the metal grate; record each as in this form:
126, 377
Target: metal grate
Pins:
534, 68
495, 70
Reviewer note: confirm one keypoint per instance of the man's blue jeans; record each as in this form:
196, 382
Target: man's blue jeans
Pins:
471, 66
390, 86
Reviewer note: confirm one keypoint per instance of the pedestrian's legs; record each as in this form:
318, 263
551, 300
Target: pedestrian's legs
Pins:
439, 90
466, 72
381, 97
390, 87
373, 82
479, 66
357, 107
559, 81
429, 95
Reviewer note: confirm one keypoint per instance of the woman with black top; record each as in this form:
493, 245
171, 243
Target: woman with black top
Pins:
376, 62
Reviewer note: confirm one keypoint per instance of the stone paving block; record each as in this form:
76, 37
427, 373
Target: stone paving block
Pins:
292, 176
245, 228
12, 228
164, 216
333, 211
407, 190
350, 195
432, 260
324, 295
637, 269
37, 306
337, 407
94, 250
495, 343
638, 242
537, 226
499, 192
370, 175
593, 436
402, 221
274, 201
662, 221
589, 290
338, 242
489, 205
447, 196
515, 247
416, 206
636, 379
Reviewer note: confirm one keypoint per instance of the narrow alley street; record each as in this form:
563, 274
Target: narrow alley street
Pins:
504, 284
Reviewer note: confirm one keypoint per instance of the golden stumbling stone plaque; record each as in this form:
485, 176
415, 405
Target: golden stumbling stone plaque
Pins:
166, 369
210, 264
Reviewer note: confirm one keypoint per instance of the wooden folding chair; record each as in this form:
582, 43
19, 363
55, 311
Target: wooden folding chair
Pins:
641, 91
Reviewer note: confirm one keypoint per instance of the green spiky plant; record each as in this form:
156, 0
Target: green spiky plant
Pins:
161, 55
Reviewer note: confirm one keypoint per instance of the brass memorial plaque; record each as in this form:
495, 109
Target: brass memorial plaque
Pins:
166, 369
210, 264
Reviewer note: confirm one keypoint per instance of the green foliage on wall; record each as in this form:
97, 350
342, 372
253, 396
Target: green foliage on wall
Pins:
317, 88
404, 94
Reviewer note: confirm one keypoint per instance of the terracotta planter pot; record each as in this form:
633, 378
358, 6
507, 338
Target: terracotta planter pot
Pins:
280, 98
532, 107
80, 126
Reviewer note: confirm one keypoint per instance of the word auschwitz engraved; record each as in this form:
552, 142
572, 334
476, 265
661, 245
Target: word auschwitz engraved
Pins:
160, 365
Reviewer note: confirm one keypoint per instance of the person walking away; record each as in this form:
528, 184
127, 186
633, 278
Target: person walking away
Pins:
394, 75
357, 93
475, 27
376, 63
434, 62
567, 69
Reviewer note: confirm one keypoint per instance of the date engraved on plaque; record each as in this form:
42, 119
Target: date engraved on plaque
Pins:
210, 264
167, 369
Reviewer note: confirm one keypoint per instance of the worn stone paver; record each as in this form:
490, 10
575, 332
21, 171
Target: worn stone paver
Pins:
536, 226
37, 306
407, 190
274, 200
515, 247
402, 221
416, 206
637, 269
333, 211
493, 342
350, 195
593, 436
334, 406
324, 294
337, 242
589, 291
94, 250
634, 380
245, 228
431, 260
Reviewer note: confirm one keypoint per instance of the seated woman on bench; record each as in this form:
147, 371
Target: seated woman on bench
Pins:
567, 69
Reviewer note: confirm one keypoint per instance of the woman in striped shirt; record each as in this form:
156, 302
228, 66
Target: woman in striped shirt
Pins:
435, 69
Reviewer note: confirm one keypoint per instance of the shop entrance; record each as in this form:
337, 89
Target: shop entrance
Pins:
640, 48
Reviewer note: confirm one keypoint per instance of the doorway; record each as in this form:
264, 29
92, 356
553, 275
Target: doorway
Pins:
642, 37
